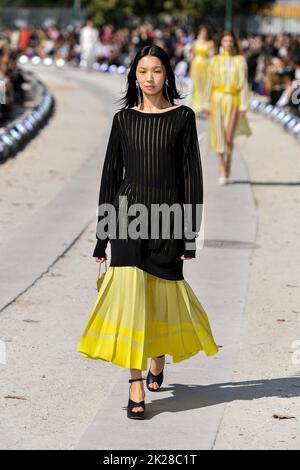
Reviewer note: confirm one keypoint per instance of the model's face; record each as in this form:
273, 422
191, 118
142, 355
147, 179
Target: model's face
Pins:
150, 73
227, 42
203, 33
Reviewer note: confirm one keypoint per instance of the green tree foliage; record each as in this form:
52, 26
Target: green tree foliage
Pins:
118, 10
37, 3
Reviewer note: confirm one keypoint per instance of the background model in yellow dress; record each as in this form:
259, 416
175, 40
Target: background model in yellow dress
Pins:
202, 51
227, 100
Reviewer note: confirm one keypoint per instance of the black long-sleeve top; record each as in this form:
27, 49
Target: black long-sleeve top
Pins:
152, 158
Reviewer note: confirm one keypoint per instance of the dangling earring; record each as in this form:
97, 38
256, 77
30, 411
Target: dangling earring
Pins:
139, 93
167, 84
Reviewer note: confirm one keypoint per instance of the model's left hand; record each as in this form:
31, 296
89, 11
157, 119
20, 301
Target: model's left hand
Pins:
185, 257
242, 113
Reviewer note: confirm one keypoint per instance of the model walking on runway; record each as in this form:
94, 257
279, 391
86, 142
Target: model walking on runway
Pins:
145, 308
203, 50
227, 100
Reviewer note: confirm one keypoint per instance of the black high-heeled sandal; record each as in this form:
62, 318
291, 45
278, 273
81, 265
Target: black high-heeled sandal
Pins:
133, 404
155, 378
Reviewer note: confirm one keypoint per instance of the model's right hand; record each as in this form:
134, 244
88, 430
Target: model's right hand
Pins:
100, 260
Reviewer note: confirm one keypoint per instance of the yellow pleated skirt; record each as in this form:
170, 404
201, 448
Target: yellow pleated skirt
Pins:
138, 315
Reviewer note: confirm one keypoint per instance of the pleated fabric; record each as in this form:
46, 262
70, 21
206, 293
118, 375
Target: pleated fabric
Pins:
137, 316
152, 159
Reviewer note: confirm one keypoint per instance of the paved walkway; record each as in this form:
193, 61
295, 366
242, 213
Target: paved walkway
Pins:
186, 413
47, 289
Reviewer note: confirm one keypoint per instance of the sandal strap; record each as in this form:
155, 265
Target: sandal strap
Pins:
133, 404
150, 374
158, 375
135, 380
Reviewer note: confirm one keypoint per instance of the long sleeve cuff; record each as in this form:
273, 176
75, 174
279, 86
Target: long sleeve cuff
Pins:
99, 251
190, 247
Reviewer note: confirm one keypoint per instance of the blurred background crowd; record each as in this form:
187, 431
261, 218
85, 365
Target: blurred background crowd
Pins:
273, 59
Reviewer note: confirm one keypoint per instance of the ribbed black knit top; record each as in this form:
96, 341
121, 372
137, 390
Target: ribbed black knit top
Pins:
152, 158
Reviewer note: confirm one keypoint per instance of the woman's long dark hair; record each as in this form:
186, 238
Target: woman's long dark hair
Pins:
236, 44
208, 32
131, 97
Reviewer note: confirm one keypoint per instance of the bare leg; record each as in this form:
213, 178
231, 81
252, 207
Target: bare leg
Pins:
137, 392
157, 364
228, 162
229, 136
222, 168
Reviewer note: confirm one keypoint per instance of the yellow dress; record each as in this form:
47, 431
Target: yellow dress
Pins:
198, 74
227, 87
138, 315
